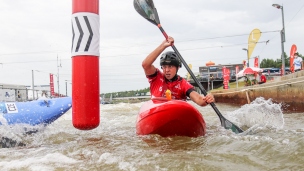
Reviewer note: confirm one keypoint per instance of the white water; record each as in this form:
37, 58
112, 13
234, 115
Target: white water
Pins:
273, 141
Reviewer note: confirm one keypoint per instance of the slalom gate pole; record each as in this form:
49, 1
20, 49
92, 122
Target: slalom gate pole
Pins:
85, 64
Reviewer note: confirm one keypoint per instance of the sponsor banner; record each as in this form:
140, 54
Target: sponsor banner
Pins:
256, 62
226, 75
52, 85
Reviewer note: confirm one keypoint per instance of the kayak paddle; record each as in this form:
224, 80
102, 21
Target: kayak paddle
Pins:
147, 10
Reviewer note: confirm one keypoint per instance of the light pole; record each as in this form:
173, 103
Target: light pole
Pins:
247, 56
282, 36
33, 75
58, 76
33, 84
208, 76
66, 88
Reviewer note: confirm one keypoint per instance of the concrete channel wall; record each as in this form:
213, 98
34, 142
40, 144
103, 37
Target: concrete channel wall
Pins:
287, 90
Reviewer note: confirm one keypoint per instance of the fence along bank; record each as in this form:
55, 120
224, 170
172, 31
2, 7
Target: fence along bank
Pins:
13, 92
287, 90
211, 77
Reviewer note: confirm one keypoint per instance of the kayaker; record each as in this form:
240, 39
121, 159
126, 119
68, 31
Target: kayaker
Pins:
167, 78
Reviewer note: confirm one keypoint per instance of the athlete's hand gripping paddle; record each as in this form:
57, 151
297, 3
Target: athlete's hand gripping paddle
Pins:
147, 10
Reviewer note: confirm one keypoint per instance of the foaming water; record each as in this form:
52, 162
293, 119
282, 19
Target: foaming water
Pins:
259, 114
272, 141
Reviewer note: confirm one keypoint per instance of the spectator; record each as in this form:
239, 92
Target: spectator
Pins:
262, 78
298, 62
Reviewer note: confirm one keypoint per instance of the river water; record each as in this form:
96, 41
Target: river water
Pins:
273, 141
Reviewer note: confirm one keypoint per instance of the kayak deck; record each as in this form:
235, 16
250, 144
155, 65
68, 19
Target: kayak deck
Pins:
34, 112
170, 118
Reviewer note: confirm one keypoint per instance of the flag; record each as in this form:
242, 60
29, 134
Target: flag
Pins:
52, 85
256, 62
253, 39
226, 75
237, 69
188, 75
292, 52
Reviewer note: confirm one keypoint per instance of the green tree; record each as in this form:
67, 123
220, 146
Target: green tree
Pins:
270, 63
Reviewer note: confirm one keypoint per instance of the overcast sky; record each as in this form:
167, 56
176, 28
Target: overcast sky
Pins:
34, 32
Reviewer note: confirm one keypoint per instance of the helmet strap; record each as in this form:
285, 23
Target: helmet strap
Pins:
173, 79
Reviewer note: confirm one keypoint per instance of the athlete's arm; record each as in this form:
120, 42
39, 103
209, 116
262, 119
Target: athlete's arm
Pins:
200, 99
147, 63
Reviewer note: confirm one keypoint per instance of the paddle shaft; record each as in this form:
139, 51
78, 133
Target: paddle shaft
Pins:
192, 75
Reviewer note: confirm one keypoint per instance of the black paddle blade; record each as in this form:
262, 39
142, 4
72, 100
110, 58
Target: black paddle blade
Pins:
147, 10
229, 125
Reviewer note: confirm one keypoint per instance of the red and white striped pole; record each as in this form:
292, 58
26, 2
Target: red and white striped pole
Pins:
85, 64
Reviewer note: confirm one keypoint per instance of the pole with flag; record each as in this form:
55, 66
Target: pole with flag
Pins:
253, 39
256, 62
292, 52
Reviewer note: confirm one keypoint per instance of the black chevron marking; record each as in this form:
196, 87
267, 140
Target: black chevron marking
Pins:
73, 36
91, 33
81, 34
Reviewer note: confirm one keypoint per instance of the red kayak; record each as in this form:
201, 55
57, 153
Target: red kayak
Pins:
170, 118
